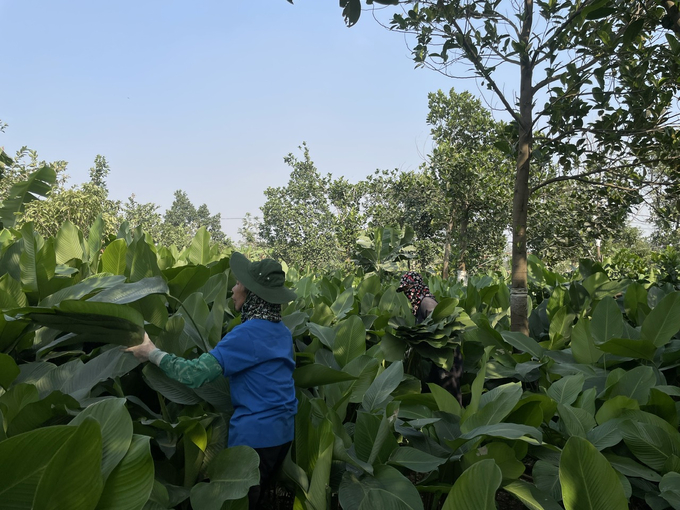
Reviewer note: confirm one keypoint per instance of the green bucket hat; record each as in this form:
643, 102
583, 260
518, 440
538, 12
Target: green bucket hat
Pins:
264, 278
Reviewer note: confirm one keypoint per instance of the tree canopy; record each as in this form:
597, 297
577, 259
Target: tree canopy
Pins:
597, 81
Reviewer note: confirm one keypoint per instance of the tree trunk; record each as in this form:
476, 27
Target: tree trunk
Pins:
447, 246
519, 311
463, 244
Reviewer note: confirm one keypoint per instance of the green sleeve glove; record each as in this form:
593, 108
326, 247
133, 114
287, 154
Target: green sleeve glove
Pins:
195, 372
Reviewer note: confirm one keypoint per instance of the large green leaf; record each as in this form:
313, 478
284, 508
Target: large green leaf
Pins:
72, 478
373, 439
315, 374
531, 496
8, 370
82, 289
24, 458
607, 321
198, 251
325, 334
37, 261
566, 390
627, 466
124, 293
588, 481
114, 256
523, 343
415, 460
11, 295
387, 489
77, 379
94, 243
663, 321
575, 421
320, 475
379, 391
189, 280
102, 322
215, 322
143, 263
547, 479
129, 485
582, 345
670, 489
54, 407
504, 457
494, 405
507, 431
343, 303
560, 328
116, 430
172, 390
445, 308
445, 400
350, 340
69, 244
635, 298
38, 184
470, 493
643, 349
649, 443
635, 384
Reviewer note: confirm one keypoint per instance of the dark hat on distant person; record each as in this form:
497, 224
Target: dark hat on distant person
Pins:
264, 278
410, 279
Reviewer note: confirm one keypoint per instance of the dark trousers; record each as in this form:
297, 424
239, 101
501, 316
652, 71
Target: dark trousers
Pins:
271, 459
449, 379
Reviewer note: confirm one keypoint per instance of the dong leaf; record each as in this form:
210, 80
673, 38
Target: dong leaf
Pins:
114, 257
38, 184
383, 385
116, 430
232, 472
494, 405
24, 459
350, 340
8, 370
72, 479
469, 494
663, 321
69, 244
309, 376
566, 390
129, 485
588, 481
531, 496
387, 489
415, 460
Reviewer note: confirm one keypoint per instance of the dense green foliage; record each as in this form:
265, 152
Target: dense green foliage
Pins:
583, 411
35, 191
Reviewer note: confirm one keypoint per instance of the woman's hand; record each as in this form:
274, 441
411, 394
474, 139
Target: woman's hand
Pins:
142, 350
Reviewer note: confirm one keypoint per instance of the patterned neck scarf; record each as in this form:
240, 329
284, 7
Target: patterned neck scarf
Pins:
414, 289
255, 307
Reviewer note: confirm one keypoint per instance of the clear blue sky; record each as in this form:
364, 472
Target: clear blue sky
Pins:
209, 96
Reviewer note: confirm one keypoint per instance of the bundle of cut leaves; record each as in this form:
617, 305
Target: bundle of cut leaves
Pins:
436, 338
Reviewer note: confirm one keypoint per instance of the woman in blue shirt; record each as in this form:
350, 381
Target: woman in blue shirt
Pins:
257, 356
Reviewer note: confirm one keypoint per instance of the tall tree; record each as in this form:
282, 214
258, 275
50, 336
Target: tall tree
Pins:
143, 215
473, 175
298, 224
99, 172
79, 204
597, 80
182, 221
399, 199
568, 217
